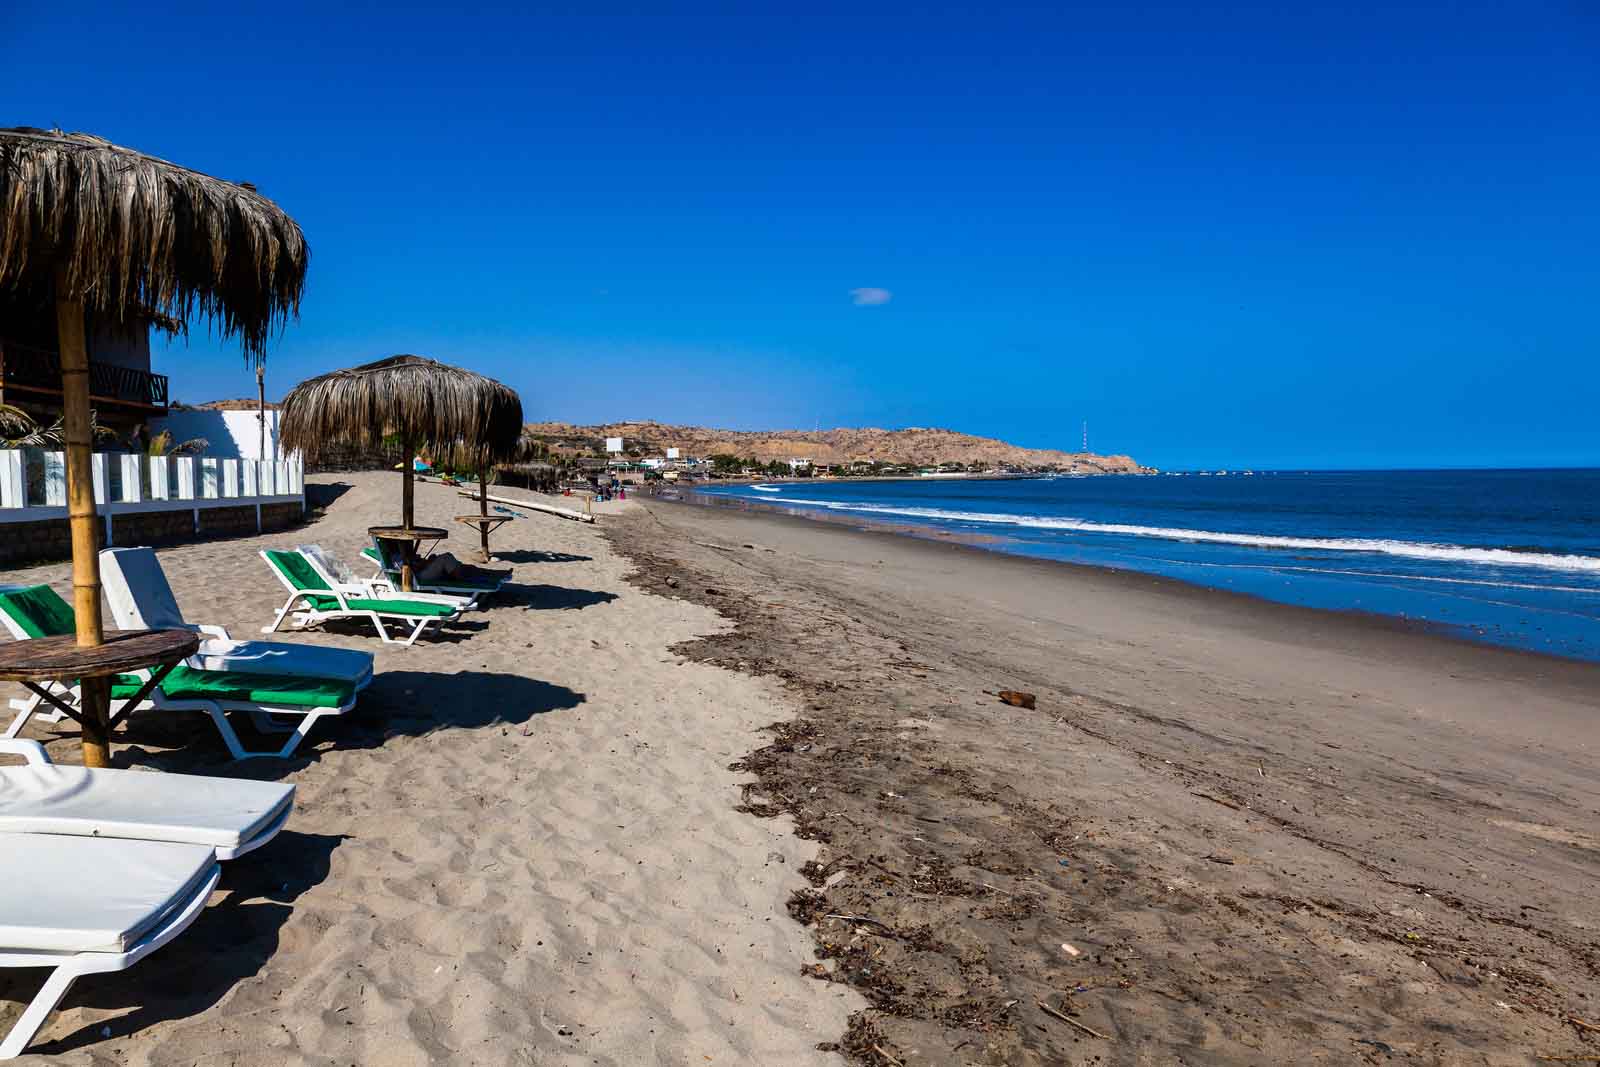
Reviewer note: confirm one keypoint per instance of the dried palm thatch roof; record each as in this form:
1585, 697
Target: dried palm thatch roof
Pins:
136, 236
426, 403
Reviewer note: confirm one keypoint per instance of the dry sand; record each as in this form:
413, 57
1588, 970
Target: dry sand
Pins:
1231, 832
522, 848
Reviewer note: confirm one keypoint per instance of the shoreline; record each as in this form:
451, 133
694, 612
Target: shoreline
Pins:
1230, 831
980, 542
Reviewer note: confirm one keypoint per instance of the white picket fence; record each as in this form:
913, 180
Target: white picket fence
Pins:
33, 485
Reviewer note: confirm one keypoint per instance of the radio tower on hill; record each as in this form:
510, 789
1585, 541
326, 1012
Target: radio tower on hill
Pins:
1086, 436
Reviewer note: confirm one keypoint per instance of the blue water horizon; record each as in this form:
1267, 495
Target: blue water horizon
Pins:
1507, 557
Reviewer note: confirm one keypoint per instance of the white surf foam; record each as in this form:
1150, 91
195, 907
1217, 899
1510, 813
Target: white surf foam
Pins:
1408, 549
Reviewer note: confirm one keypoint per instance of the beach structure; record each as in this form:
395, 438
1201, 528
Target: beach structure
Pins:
428, 405
482, 461
106, 235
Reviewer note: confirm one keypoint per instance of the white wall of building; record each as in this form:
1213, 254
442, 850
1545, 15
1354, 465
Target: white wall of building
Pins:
229, 434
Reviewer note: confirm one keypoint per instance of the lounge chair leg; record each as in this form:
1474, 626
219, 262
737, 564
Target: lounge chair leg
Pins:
30, 708
55, 987
382, 631
299, 733
21, 720
423, 625
278, 619
225, 728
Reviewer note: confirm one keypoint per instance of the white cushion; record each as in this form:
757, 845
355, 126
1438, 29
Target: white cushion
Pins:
283, 657
82, 894
214, 812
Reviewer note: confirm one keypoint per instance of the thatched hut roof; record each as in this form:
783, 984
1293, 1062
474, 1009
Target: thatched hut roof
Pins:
138, 237
430, 404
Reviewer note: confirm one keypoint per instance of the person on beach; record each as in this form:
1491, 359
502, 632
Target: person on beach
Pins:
444, 565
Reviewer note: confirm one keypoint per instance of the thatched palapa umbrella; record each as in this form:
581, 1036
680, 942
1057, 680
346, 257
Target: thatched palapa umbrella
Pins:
427, 404
110, 234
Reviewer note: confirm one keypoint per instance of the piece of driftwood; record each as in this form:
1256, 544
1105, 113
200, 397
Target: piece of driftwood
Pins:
1070, 1021
1215, 800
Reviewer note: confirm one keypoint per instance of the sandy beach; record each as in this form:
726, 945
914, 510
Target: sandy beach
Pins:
522, 848
708, 786
1230, 831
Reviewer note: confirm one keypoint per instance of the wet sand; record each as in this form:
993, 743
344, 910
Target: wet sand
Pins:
1230, 831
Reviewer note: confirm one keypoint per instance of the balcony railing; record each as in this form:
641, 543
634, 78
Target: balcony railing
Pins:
38, 370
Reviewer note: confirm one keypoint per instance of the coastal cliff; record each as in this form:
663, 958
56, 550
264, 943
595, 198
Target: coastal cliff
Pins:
913, 446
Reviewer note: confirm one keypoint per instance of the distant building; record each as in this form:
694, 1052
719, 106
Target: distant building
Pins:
798, 465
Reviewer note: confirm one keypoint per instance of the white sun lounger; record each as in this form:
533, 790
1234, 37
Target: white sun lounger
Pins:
141, 599
89, 905
317, 596
227, 815
38, 611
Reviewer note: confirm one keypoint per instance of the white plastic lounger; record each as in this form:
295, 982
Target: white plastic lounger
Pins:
380, 584
316, 596
38, 611
89, 905
227, 815
141, 599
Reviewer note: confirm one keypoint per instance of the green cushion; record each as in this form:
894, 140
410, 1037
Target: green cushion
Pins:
39, 610
295, 568
419, 608
279, 690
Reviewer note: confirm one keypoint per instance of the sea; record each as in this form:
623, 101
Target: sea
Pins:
1505, 557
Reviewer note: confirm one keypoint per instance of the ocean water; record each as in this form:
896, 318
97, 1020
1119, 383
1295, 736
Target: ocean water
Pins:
1504, 557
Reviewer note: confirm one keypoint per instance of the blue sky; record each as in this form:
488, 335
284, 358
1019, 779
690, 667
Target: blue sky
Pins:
1224, 234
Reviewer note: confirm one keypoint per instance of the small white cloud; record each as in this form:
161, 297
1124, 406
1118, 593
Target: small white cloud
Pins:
870, 297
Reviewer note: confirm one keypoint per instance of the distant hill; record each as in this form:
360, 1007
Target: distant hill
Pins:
242, 404
914, 446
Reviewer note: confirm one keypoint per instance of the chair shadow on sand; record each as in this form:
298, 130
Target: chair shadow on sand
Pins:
550, 597
537, 555
399, 703
230, 942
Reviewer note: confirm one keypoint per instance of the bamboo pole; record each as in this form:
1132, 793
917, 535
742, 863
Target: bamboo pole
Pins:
261, 409
483, 509
408, 491
79, 443
408, 510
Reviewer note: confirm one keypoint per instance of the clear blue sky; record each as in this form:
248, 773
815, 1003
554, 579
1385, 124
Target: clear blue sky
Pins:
1263, 235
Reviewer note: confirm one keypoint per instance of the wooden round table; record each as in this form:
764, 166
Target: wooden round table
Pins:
485, 524
412, 537
41, 660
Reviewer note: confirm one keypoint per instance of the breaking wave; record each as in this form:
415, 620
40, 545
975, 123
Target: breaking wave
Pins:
1409, 549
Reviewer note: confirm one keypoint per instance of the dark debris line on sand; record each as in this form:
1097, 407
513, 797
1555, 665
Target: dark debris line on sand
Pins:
985, 922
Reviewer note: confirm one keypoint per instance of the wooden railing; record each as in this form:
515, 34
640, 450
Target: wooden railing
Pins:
38, 370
